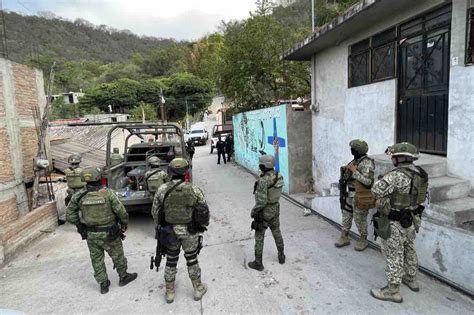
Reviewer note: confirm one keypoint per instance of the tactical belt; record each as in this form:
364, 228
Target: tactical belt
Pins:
99, 229
273, 203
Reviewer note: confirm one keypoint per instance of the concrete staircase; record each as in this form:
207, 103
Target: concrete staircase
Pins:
450, 202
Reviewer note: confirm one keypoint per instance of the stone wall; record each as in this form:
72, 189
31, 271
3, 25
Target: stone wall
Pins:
21, 93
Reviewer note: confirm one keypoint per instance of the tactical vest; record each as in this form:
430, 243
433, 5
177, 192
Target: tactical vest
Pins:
275, 188
96, 209
115, 159
179, 204
73, 178
154, 181
418, 189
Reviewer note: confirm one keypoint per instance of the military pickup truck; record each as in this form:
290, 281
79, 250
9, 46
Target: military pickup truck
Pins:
125, 174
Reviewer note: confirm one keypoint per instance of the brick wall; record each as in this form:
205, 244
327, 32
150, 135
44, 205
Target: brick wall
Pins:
29, 148
26, 90
21, 232
8, 211
6, 171
2, 100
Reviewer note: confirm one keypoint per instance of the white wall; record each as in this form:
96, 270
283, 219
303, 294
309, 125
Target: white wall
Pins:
461, 101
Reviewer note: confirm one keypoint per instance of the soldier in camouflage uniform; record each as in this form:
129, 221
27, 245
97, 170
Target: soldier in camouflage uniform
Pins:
73, 176
402, 191
174, 205
360, 169
155, 177
102, 221
266, 211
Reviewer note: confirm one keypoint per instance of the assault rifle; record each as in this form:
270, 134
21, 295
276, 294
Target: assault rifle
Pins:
343, 179
160, 251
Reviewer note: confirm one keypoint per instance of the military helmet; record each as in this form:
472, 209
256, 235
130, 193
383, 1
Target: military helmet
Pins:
153, 160
116, 150
178, 167
359, 146
403, 149
91, 174
74, 159
267, 160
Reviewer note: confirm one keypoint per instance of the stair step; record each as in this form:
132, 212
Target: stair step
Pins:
456, 212
448, 188
435, 166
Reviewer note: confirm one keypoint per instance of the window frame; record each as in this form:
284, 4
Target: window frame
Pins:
469, 53
370, 49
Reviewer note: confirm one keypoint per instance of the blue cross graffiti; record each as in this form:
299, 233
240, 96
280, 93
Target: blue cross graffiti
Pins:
277, 143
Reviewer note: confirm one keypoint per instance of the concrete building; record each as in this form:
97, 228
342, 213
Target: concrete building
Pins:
68, 97
21, 91
391, 71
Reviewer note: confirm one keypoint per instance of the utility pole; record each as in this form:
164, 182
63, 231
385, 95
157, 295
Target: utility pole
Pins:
187, 117
312, 14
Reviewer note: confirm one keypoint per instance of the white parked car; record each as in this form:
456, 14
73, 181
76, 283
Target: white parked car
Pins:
198, 134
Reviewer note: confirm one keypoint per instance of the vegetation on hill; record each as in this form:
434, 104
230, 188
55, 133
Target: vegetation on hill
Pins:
242, 61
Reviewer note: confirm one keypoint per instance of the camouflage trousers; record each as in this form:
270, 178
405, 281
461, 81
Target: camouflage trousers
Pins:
400, 254
359, 216
98, 243
189, 242
271, 215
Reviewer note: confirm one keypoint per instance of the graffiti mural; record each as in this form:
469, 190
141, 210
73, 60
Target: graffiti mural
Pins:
259, 131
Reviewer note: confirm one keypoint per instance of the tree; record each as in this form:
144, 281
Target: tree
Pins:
182, 88
204, 59
122, 93
264, 7
164, 61
252, 73
61, 110
143, 109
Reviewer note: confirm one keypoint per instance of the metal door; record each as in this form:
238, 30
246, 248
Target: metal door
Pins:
424, 81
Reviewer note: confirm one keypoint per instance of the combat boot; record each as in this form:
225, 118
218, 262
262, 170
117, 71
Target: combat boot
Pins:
104, 287
256, 264
199, 289
412, 284
361, 243
129, 277
281, 257
343, 239
170, 292
388, 293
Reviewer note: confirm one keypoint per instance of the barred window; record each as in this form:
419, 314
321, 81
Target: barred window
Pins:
373, 59
470, 37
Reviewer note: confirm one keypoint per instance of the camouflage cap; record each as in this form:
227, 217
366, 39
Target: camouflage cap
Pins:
267, 160
74, 158
403, 149
360, 146
178, 167
91, 174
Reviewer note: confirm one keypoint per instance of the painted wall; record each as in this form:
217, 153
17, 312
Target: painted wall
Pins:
264, 129
367, 112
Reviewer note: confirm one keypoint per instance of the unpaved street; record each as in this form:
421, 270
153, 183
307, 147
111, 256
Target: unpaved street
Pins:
55, 276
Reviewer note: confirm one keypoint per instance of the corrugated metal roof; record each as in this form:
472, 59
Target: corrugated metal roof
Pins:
61, 150
94, 136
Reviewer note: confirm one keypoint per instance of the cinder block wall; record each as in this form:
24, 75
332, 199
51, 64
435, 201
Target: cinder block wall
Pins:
21, 92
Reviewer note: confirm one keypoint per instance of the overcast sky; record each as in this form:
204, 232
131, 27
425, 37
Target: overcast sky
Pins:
180, 19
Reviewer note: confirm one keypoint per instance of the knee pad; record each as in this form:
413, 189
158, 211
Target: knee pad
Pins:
172, 257
191, 257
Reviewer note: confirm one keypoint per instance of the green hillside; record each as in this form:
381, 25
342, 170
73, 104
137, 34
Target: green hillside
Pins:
79, 40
